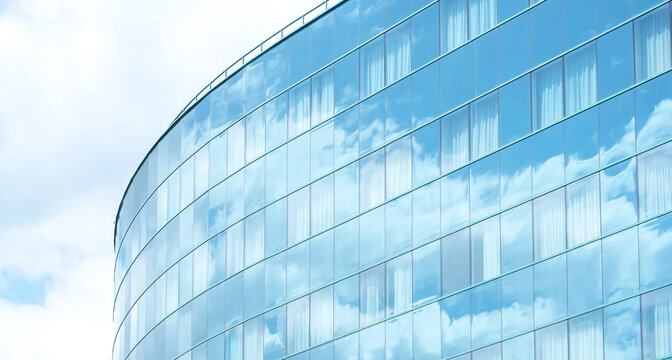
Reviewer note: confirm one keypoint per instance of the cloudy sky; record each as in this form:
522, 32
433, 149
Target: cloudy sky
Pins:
86, 88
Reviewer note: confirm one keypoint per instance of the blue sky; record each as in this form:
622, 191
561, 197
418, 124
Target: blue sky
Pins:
86, 88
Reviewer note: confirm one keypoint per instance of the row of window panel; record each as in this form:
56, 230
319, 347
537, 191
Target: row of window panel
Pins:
601, 272
399, 53
597, 137
546, 101
564, 218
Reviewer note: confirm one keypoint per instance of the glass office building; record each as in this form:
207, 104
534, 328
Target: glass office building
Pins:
451, 179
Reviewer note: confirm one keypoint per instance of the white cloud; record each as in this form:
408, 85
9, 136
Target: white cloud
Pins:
86, 88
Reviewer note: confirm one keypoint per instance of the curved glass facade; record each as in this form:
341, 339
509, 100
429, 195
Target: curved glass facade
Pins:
452, 179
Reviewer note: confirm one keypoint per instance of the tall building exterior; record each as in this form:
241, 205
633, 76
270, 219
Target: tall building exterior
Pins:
452, 179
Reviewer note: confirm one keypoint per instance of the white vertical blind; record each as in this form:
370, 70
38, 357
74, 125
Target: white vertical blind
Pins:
652, 43
398, 52
580, 79
585, 336
455, 140
547, 95
372, 67
654, 174
549, 224
453, 24
551, 342
484, 125
583, 210
482, 16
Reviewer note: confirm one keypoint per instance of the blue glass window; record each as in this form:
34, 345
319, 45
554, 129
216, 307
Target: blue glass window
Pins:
545, 31
297, 270
371, 237
236, 147
276, 174
426, 273
346, 80
298, 46
372, 290
371, 19
322, 104
346, 190
275, 279
455, 324
485, 250
610, 13
372, 342
579, 22
372, 180
299, 108
372, 67
371, 123
482, 16
486, 320
615, 60
655, 189
517, 302
298, 325
235, 192
548, 159
399, 284
398, 225
426, 213
581, 144
346, 248
652, 43
514, 110
584, 278
255, 83
254, 186
277, 70
322, 150
346, 17
276, 121
346, 305
233, 312
397, 52
655, 249
398, 109
547, 94
425, 36
454, 140
321, 315
253, 287
425, 147
298, 216
621, 330
484, 187
398, 167
322, 205
454, 84
321, 260
580, 79
654, 118
454, 200
427, 332
656, 322
516, 174
275, 337
453, 22
583, 210
276, 227
619, 196
346, 137
322, 35
455, 266
585, 336
516, 237
550, 290
617, 129
519, 348
425, 90
298, 162
620, 265
549, 224
506, 9
484, 125
483, 75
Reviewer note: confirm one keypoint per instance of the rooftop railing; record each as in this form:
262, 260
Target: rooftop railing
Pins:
259, 49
